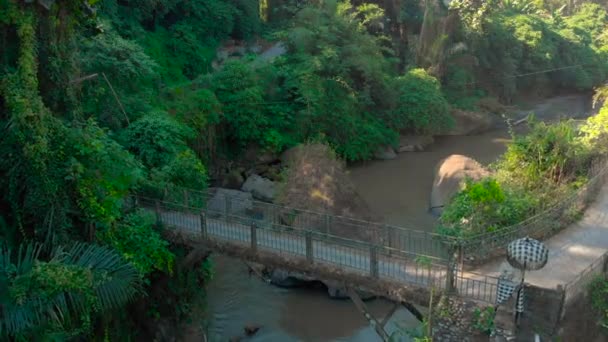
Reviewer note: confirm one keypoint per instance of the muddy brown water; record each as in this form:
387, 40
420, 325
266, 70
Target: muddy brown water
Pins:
397, 190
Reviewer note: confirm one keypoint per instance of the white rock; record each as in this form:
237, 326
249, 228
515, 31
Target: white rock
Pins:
261, 188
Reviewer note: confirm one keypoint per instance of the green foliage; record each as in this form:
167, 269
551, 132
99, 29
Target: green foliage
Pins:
57, 299
336, 74
238, 89
101, 170
594, 132
548, 153
181, 36
483, 206
130, 71
185, 170
598, 292
156, 139
483, 320
135, 238
510, 38
64, 177
538, 169
421, 105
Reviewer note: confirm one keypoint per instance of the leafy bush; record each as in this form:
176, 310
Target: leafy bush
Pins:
481, 207
336, 73
101, 171
237, 88
135, 238
549, 153
185, 170
594, 132
421, 106
156, 138
598, 292
483, 320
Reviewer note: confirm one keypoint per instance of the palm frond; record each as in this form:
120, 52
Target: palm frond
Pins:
113, 283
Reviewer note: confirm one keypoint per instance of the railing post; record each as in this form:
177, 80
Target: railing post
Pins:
309, 251
389, 242
157, 210
254, 237
227, 208
373, 261
449, 279
327, 223
203, 226
186, 202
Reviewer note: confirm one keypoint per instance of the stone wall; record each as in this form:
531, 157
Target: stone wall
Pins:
542, 312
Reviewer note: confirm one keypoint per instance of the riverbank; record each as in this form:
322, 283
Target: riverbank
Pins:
399, 190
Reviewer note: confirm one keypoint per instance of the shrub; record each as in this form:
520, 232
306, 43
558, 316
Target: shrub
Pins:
594, 132
140, 244
549, 153
421, 106
156, 138
598, 291
483, 206
483, 320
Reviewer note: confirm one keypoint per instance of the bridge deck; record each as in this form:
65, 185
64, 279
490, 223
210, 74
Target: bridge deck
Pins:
388, 272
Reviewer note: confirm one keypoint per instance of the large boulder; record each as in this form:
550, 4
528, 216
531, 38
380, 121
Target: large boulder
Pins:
317, 181
240, 202
449, 175
467, 122
261, 188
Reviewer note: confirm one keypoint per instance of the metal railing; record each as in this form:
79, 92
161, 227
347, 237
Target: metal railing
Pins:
579, 285
319, 247
398, 239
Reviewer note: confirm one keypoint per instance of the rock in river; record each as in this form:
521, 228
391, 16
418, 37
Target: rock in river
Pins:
449, 175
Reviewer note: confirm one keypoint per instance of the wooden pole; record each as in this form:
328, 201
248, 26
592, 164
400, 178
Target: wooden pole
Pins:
116, 98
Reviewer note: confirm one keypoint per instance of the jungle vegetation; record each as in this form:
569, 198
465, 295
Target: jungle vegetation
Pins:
100, 99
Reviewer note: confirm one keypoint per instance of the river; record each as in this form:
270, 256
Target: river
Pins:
397, 190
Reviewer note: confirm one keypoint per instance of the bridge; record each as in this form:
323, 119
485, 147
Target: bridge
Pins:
399, 264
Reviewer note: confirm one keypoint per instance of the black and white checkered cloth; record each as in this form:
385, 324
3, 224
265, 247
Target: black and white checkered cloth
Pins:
527, 254
505, 289
520, 301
